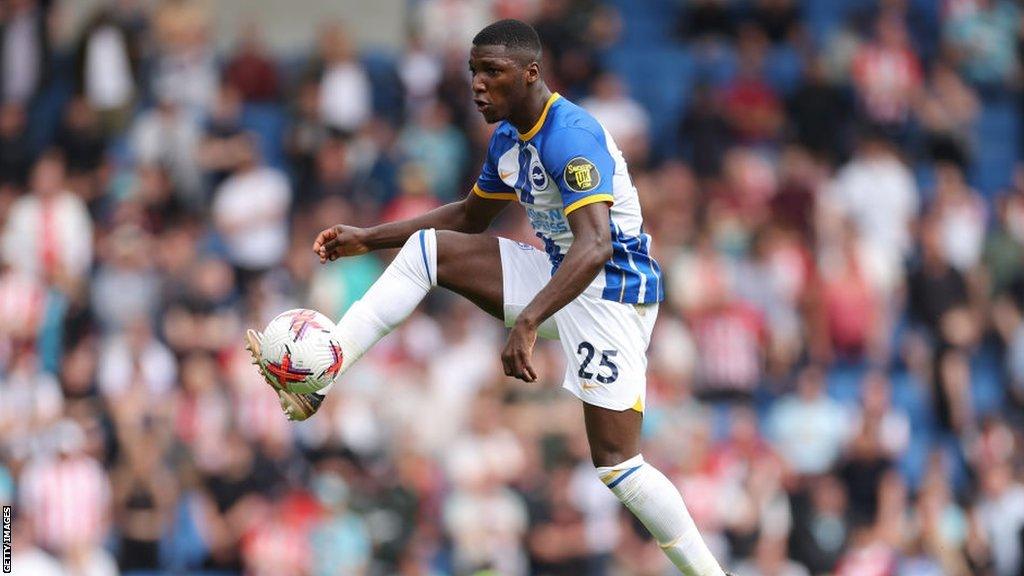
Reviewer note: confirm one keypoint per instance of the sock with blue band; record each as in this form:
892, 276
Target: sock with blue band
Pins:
391, 299
656, 502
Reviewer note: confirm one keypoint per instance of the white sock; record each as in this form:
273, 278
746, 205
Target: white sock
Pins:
654, 500
391, 299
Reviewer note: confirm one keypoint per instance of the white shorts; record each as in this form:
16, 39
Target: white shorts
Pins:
605, 342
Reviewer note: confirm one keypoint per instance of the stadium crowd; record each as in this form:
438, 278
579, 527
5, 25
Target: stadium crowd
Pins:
836, 381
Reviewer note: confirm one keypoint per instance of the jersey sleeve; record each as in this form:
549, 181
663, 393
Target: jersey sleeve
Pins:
582, 167
489, 184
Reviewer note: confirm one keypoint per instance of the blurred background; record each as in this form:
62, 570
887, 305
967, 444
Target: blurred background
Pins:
836, 193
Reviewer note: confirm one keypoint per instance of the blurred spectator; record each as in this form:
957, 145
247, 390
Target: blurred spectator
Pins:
730, 338
751, 106
947, 109
938, 293
852, 307
821, 524
420, 71
144, 494
82, 140
877, 192
49, 232
1001, 513
167, 135
1004, 245
624, 118
981, 40
24, 50
134, 358
250, 210
15, 156
705, 133
306, 137
961, 214
108, 67
345, 91
808, 428
70, 498
339, 542
250, 70
889, 425
439, 149
821, 113
887, 75
185, 72
224, 143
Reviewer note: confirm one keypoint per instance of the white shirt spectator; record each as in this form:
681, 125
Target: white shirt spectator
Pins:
108, 73
120, 367
878, 193
22, 51
250, 210
345, 97
1002, 516
56, 232
420, 72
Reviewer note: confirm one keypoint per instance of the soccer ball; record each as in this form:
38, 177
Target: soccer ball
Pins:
300, 352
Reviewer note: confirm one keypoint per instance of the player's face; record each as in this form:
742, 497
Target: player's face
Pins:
500, 81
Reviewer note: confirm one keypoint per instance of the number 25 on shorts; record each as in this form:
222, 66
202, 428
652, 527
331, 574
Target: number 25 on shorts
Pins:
588, 351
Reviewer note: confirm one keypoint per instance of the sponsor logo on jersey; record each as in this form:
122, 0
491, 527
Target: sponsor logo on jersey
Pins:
551, 222
581, 175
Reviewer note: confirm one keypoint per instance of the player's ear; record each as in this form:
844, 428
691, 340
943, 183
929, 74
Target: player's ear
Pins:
532, 72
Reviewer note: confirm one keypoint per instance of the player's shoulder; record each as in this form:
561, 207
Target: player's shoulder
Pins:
570, 120
503, 138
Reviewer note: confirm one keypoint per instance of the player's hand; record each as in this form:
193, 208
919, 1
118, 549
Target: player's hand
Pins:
340, 240
517, 356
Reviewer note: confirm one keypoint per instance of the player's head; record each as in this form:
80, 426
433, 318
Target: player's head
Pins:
505, 63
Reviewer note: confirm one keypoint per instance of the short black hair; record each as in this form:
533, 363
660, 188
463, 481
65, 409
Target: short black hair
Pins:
515, 35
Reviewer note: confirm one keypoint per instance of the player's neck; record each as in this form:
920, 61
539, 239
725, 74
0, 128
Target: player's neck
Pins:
525, 120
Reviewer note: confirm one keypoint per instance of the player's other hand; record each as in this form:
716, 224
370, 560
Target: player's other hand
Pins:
338, 241
517, 356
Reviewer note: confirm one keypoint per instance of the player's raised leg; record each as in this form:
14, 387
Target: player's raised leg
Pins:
468, 264
614, 438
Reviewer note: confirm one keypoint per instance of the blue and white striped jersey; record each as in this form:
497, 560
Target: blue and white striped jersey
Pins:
568, 160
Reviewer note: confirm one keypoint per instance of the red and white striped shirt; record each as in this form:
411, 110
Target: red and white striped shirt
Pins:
68, 500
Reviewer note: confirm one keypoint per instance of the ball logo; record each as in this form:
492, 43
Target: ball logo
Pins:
538, 178
581, 175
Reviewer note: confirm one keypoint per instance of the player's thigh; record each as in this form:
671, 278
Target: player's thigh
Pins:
606, 348
613, 435
470, 265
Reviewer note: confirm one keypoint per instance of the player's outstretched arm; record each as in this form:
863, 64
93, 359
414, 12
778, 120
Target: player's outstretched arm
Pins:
591, 249
473, 214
